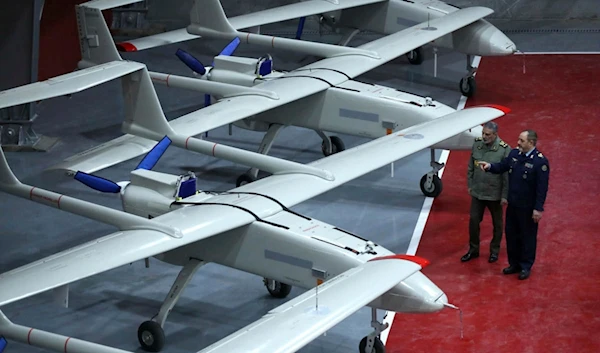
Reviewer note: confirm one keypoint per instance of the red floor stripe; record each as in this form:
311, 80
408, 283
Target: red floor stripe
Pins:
558, 308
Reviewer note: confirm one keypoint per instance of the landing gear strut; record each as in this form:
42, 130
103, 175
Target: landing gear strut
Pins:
350, 33
431, 184
150, 333
415, 57
277, 289
331, 144
265, 146
372, 343
467, 83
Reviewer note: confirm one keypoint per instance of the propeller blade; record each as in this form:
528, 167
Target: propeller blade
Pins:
191, 62
154, 155
300, 27
231, 47
97, 183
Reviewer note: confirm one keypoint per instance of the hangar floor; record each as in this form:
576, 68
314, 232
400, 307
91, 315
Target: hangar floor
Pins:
108, 308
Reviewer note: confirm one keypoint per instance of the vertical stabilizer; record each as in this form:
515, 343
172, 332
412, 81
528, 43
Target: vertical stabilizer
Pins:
210, 15
143, 113
95, 41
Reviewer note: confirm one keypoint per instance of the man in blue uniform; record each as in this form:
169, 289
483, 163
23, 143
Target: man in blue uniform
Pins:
528, 178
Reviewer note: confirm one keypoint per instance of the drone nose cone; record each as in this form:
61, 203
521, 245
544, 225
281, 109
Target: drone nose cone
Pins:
501, 45
442, 300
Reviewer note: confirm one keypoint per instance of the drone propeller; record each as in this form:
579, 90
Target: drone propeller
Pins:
191, 62
196, 66
147, 163
231, 47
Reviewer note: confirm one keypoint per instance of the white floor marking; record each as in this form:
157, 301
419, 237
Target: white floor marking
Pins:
425, 210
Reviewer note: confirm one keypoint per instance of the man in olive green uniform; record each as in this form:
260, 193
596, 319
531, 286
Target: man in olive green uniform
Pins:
486, 189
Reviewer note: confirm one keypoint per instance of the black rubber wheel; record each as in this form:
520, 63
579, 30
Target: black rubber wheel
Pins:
415, 57
435, 189
337, 145
244, 179
378, 346
277, 289
468, 87
151, 336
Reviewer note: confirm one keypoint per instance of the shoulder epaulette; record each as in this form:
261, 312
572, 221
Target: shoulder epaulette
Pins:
503, 144
540, 155
478, 138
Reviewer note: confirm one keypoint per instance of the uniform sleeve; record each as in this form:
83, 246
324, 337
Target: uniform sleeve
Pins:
470, 171
505, 176
542, 179
500, 167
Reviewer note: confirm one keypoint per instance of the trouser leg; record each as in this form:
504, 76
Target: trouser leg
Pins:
529, 248
475, 217
496, 212
512, 236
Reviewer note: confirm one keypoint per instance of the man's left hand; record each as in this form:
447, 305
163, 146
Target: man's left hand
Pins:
504, 202
537, 215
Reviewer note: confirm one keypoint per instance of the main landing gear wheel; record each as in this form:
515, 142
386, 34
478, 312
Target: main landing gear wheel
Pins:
244, 179
151, 336
378, 346
372, 343
467, 86
277, 289
337, 145
150, 333
415, 57
431, 185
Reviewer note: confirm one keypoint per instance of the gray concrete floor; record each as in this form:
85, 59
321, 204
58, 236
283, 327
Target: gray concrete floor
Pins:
108, 308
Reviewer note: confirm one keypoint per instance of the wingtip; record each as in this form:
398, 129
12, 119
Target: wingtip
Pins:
126, 47
502, 108
416, 259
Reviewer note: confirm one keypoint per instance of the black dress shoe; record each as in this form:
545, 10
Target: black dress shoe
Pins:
468, 256
524, 274
510, 270
493, 258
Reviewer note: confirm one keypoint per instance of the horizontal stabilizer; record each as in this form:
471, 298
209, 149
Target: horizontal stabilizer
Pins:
68, 83
110, 153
